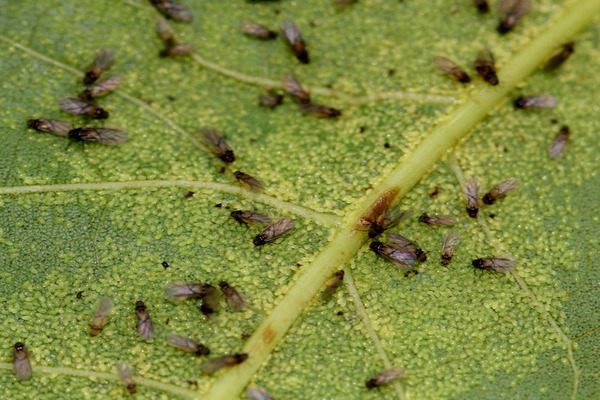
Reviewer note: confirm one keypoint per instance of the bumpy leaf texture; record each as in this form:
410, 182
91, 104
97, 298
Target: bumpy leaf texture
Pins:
100, 220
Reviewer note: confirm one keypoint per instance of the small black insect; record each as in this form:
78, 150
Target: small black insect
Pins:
234, 298
274, 231
101, 88
173, 10
103, 309
386, 376
294, 88
452, 69
210, 300
250, 217
188, 195
292, 35
482, 5
55, 126
126, 377
319, 110
471, 191
165, 264
332, 284
21, 364
539, 102
501, 189
110, 136
180, 291
485, 66
248, 181
145, 326
186, 344
558, 146
104, 59
181, 49
499, 264
74, 105
217, 363
450, 242
217, 144
257, 30
559, 56
270, 99
437, 219
513, 11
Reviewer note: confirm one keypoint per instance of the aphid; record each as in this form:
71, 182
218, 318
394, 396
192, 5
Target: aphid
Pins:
217, 144
250, 217
450, 242
386, 376
558, 146
234, 299
294, 88
451, 68
186, 344
501, 189
471, 191
400, 242
21, 364
388, 219
499, 264
319, 110
180, 291
55, 126
210, 300
485, 66
165, 32
165, 265
274, 231
104, 59
332, 284
103, 309
270, 99
482, 5
248, 181
215, 364
79, 295
536, 102
126, 377
513, 11
559, 56
403, 258
74, 105
101, 88
145, 326
181, 49
256, 393
174, 10
292, 35
257, 30
110, 136
437, 219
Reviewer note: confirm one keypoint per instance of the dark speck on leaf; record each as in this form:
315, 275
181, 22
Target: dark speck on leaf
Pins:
362, 129
386, 145
340, 313
219, 205
435, 192
492, 215
554, 121
188, 195
312, 24
222, 170
170, 98
391, 72
79, 295
165, 264
167, 321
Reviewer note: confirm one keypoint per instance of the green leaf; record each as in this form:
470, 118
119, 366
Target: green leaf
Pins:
100, 220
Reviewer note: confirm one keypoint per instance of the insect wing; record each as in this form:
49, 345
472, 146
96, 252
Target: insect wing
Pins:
451, 68
257, 30
145, 326
210, 300
104, 59
471, 190
102, 87
180, 291
294, 88
126, 377
103, 309
248, 181
217, 363
274, 231
450, 242
217, 144
386, 376
504, 187
558, 146
319, 110
186, 344
55, 126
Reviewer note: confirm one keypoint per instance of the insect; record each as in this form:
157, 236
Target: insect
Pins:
319, 110
180, 291
248, 181
536, 102
450, 242
499, 264
256, 393
74, 105
110, 136
165, 264
234, 299
485, 66
471, 191
403, 258
103, 309
174, 10
558, 146
437, 219
210, 300
274, 231
181, 49
126, 377
165, 32
513, 11
292, 35
451, 68
21, 364
104, 59
559, 56
229, 360
101, 88
250, 217
188, 195
388, 219
270, 99
376, 209
500, 190
482, 5
187, 344
294, 88
386, 376
217, 144
257, 30
400, 242
145, 326
332, 284
55, 126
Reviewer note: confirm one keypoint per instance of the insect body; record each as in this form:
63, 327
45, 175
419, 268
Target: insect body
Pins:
126, 377
437, 219
21, 364
257, 30
500, 190
234, 299
319, 110
499, 264
388, 219
250, 217
210, 300
101, 88
471, 191
55, 126
180, 291
386, 376
173, 10
400, 242
485, 66
74, 105
217, 144
452, 69
103, 309
110, 136
145, 326
536, 102
181, 49
187, 344
217, 363
274, 231
558, 146
513, 11
294, 88
248, 181
292, 35
332, 284
270, 99
559, 56
104, 59
482, 5
450, 242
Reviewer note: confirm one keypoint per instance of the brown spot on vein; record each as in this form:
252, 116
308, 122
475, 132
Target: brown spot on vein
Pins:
268, 335
376, 209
